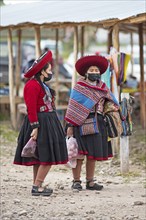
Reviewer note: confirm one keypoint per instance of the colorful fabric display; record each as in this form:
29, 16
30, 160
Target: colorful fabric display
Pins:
123, 60
119, 63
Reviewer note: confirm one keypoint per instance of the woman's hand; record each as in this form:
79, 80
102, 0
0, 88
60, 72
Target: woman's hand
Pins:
34, 133
70, 131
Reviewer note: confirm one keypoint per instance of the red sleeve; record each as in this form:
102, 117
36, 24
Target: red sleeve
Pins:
31, 94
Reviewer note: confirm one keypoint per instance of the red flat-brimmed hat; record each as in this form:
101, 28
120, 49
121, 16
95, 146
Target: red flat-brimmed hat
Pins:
83, 64
39, 64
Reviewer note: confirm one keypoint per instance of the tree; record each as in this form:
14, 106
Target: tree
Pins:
1, 2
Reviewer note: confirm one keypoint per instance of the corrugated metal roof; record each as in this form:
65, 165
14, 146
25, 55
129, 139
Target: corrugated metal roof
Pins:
69, 11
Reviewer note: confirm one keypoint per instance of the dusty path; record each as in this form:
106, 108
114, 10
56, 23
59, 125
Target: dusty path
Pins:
123, 197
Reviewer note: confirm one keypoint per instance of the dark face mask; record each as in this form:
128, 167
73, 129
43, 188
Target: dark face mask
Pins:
48, 78
94, 77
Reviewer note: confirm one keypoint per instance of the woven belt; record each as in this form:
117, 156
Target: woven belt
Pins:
44, 108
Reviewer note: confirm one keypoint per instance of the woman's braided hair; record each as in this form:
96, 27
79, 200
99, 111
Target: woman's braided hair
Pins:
37, 77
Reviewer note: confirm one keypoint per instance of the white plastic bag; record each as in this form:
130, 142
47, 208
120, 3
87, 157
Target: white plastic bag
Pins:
72, 149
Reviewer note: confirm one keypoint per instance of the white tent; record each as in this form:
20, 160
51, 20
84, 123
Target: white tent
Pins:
51, 12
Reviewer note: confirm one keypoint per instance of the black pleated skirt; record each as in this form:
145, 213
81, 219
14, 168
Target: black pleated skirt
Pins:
51, 142
94, 146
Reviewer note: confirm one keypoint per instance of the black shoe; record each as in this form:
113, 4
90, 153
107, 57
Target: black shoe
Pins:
94, 187
77, 185
45, 192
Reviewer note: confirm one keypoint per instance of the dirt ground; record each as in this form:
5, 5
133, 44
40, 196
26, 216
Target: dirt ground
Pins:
123, 196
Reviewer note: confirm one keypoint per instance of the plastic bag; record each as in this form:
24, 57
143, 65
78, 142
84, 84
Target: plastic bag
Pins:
29, 149
72, 149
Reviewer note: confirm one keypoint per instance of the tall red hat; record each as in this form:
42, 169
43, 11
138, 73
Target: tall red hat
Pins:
39, 64
83, 64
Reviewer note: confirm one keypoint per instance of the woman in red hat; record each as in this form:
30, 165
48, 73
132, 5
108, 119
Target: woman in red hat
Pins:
41, 124
87, 98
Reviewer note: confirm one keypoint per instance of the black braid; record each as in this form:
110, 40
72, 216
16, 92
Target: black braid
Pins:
37, 77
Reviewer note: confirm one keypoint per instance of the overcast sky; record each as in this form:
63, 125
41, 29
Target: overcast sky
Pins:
29, 1
20, 1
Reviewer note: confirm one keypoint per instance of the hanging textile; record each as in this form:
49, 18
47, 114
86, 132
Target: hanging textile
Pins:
126, 109
119, 63
106, 77
123, 60
114, 86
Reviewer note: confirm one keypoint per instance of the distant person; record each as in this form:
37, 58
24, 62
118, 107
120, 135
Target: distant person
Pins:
41, 124
132, 82
45, 49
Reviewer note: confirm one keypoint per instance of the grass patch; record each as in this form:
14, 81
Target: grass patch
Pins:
141, 138
4, 117
128, 176
7, 134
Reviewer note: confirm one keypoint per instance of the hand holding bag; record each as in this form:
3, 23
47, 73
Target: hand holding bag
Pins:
73, 155
72, 149
29, 149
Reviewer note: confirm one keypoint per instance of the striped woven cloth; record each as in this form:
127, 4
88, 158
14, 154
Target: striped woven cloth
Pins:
83, 98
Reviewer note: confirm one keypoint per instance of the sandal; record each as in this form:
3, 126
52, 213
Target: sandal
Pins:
45, 192
96, 186
77, 185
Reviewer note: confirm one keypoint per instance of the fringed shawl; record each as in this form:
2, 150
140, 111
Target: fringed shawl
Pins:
83, 97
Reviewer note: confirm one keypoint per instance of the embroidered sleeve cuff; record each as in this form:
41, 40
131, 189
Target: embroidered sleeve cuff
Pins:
35, 124
70, 125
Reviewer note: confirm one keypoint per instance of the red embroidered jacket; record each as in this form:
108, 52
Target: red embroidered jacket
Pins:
33, 96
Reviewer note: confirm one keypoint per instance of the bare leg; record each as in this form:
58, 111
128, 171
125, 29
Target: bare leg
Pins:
90, 169
77, 171
35, 170
41, 174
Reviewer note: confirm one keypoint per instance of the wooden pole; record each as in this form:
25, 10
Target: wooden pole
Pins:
116, 46
142, 84
82, 40
124, 146
74, 77
115, 38
110, 43
11, 81
57, 68
18, 63
131, 38
37, 41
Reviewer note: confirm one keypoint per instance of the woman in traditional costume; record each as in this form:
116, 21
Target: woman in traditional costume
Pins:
41, 124
87, 97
